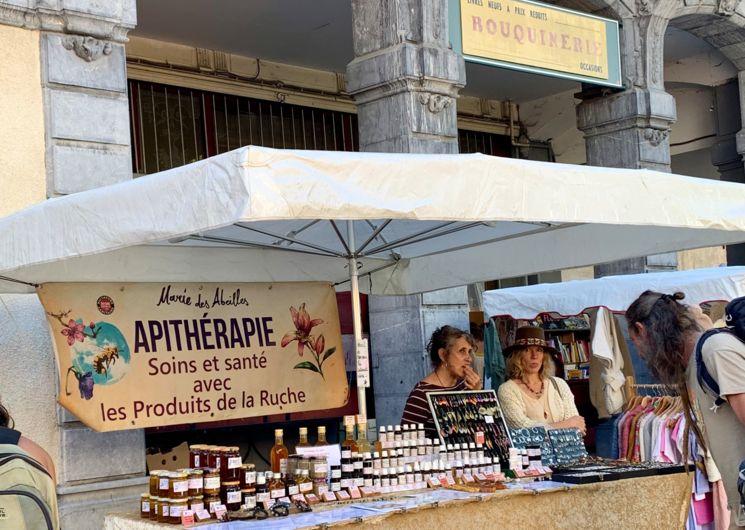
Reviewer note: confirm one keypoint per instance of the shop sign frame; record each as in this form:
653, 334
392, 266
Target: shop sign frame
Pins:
609, 64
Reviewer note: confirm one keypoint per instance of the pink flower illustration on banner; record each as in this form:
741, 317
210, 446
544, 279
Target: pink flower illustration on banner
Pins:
73, 331
303, 327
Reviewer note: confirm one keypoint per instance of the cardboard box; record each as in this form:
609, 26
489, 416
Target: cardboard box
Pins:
176, 458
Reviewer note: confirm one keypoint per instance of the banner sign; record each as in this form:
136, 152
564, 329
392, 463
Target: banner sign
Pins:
539, 38
136, 355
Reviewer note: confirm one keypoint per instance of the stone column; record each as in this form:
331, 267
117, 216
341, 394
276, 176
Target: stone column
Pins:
404, 80
81, 123
727, 153
631, 128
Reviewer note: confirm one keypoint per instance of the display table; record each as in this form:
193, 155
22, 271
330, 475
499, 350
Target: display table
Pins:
658, 502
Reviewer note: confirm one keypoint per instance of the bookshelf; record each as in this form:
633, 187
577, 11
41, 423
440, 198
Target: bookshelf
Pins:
571, 337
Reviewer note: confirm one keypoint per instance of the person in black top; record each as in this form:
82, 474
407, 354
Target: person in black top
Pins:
8, 435
451, 352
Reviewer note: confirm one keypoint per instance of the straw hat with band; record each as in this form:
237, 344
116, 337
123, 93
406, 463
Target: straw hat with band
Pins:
530, 336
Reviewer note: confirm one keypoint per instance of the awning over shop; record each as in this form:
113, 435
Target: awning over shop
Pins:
420, 222
614, 292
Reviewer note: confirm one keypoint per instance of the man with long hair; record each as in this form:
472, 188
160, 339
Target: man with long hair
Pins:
666, 334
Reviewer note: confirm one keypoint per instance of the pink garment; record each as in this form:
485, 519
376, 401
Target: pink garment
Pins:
703, 509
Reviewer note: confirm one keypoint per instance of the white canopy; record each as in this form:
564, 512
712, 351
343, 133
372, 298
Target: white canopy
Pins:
614, 292
422, 222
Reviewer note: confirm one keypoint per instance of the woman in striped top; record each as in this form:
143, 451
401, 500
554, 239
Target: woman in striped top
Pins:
451, 352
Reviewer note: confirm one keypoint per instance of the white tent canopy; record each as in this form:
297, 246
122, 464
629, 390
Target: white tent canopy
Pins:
614, 292
420, 222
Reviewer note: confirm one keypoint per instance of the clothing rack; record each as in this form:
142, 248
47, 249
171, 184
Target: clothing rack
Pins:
631, 388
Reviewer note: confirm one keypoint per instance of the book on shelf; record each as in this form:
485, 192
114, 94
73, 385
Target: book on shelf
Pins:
576, 371
572, 351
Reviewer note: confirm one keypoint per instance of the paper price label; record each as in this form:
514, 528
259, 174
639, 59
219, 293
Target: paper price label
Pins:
363, 364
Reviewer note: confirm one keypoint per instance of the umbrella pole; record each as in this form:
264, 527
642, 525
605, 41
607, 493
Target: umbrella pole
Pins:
356, 317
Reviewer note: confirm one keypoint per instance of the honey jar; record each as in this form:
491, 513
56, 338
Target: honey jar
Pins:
248, 498
164, 514
211, 482
155, 482
163, 483
178, 486
154, 508
196, 503
210, 501
195, 456
177, 508
145, 506
248, 476
231, 495
196, 482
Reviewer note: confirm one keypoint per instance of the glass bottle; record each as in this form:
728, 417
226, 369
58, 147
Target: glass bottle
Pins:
291, 485
276, 486
303, 434
321, 436
381, 442
279, 453
303, 480
349, 443
262, 489
363, 445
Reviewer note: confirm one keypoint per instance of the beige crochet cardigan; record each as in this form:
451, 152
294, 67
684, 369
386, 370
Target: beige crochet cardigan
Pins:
512, 401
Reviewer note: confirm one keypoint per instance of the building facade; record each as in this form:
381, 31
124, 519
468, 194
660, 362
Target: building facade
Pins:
95, 93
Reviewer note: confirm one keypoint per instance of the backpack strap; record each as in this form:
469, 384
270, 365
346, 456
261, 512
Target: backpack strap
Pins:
705, 379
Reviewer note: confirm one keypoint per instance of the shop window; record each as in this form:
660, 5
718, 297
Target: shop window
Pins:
172, 126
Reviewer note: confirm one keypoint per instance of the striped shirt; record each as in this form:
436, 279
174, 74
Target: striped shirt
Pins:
417, 406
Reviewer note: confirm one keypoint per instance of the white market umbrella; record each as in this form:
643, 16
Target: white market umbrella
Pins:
405, 223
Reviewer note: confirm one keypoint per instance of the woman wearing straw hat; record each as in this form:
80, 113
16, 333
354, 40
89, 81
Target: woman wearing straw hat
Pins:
532, 396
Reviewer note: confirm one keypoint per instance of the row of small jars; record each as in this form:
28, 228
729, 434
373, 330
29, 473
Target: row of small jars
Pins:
227, 459
186, 483
164, 510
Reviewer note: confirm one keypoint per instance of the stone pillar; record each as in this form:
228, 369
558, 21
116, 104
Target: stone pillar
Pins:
631, 128
81, 123
404, 80
727, 153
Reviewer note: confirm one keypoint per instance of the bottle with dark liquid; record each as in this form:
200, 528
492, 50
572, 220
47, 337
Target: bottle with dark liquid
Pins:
279, 453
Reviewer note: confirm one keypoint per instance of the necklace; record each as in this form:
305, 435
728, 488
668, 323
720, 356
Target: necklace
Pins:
537, 393
440, 380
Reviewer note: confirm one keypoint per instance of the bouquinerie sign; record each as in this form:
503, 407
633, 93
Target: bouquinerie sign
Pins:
535, 37
142, 355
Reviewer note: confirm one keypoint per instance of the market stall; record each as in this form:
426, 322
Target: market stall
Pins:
381, 223
609, 360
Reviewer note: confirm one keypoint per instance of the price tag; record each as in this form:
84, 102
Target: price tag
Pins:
361, 418
187, 518
489, 419
221, 512
348, 420
202, 515
363, 364
479, 437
